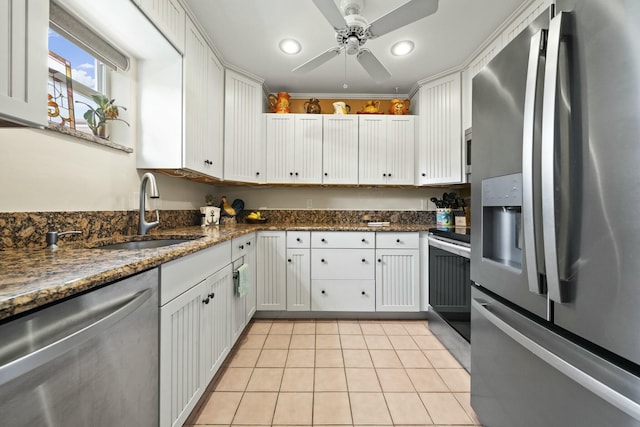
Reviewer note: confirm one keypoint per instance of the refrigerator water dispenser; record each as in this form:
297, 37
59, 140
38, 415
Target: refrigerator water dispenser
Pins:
502, 220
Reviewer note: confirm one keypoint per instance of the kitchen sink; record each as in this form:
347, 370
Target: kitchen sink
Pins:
147, 244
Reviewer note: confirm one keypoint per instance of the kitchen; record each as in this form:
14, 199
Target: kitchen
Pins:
51, 186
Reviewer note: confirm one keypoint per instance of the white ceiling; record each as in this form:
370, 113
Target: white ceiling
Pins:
246, 33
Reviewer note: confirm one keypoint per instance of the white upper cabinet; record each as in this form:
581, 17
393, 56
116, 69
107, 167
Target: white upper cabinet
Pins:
244, 155
439, 132
23, 61
169, 17
294, 148
215, 116
386, 152
340, 149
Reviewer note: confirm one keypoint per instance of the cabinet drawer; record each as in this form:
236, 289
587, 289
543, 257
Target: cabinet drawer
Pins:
241, 245
298, 239
348, 264
181, 274
342, 239
343, 295
397, 240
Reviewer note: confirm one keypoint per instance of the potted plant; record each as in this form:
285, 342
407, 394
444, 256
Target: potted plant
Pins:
97, 117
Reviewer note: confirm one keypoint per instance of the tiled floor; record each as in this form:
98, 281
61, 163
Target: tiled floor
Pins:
306, 373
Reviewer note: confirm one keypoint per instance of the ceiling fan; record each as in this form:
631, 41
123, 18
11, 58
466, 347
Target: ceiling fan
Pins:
353, 30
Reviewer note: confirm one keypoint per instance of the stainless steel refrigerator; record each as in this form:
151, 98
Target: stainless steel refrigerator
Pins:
555, 245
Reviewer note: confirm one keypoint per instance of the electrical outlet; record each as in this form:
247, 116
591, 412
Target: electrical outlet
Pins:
309, 203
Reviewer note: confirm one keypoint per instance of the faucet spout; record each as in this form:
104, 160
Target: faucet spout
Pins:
143, 225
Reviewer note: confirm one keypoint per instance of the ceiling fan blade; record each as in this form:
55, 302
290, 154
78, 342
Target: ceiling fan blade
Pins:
317, 61
372, 66
331, 12
404, 15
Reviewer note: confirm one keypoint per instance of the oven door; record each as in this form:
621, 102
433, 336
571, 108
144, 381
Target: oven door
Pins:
449, 278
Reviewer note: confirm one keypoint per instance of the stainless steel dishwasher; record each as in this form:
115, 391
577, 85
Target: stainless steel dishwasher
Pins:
91, 360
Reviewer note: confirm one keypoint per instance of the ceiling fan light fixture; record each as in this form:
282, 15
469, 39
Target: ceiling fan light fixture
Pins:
402, 48
290, 46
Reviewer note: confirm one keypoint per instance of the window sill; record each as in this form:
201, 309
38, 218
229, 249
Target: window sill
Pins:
88, 138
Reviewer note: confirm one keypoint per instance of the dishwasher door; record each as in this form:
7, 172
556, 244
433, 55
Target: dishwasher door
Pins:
91, 360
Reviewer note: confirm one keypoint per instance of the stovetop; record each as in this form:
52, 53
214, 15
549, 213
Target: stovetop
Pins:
461, 234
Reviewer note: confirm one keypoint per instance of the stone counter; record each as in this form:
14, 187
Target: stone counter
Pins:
31, 278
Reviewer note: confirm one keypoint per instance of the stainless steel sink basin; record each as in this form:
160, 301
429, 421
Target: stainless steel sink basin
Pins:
146, 244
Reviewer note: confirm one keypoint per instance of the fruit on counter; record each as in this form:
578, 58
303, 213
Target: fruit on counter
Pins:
254, 215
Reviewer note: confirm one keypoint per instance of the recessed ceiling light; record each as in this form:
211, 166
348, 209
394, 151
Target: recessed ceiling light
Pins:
290, 46
402, 48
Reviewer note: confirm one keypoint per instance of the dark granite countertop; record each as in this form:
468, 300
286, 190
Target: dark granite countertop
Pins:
31, 278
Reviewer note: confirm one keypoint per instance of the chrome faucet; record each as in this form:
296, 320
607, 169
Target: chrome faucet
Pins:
144, 226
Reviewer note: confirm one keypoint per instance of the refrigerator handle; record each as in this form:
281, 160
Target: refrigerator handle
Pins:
548, 160
598, 388
536, 51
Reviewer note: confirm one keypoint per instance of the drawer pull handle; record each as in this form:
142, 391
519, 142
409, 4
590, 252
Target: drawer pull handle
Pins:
241, 247
323, 292
322, 260
323, 240
298, 240
397, 240
364, 260
364, 240
212, 295
364, 293
206, 300
248, 243
289, 260
379, 260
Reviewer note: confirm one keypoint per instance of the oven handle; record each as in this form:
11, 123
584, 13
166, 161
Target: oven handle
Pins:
450, 247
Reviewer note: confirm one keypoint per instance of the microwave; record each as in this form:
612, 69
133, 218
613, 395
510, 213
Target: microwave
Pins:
467, 142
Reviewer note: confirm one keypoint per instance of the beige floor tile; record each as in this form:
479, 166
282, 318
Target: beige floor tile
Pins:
456, 379
234, 379
272, 359
331, 408
256, 408
362, 379
369, 408
277, 341
426, 380
417, 328
402, 342
394, 380
407, 408
385, 359
369, 328
413, 359
378, 342
281, 328
259, 327
294, 408
353, 342
304, 328
441, 359
301, 359
253, 341
394, 329
297, 379
330, 379
428, 342
244, 358
326, 328
444, 408
465, 400
265, 379
349, 328
327, 341
219, 408
303, 341
357, 359
329, 358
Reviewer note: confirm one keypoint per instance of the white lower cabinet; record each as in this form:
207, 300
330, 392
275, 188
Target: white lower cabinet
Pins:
242, 307
397, 272
343, 295
272, 270
298, 280
216, 342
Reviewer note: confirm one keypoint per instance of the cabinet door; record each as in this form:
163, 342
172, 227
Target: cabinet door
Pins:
298, 280
181, 382
440, 141
23, 60
373, 150
169, 17
272, 270
397, 281
400, 150
216, 342
250, 259
340, 149
307, 162
280, 134
214, 151
244, 157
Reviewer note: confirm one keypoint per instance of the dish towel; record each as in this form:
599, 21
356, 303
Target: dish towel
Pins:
242, 285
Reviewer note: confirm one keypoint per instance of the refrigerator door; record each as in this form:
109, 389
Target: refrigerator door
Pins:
498, 255
598, 261
524, 375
